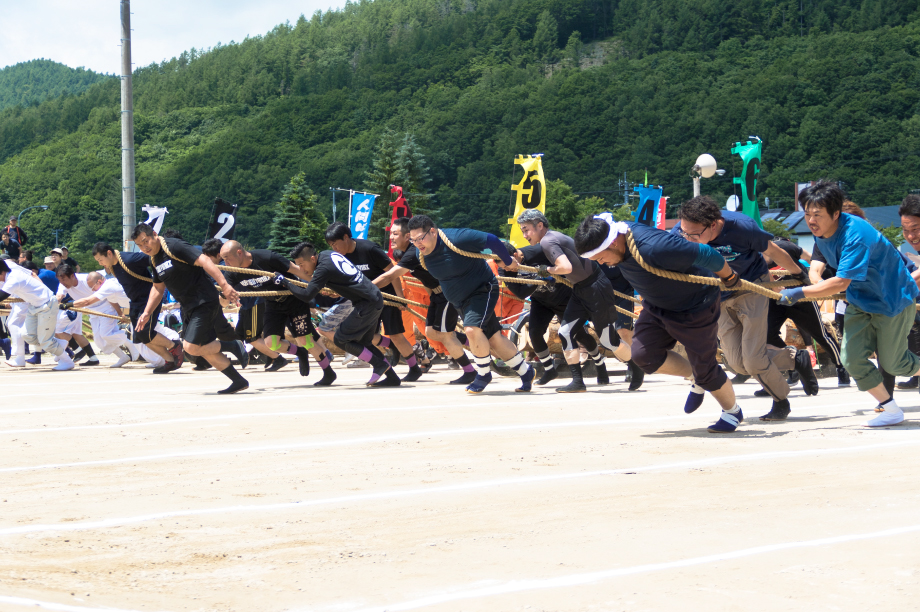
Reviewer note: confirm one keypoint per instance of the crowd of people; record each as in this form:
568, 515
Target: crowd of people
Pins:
694, 284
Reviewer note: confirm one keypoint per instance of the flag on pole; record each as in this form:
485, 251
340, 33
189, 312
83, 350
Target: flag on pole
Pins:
362, 205
531, 193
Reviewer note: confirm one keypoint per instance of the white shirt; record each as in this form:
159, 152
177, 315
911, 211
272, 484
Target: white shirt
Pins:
112, 291
81, 291
20, 283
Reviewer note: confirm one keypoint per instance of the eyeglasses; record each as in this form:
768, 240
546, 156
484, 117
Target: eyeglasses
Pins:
696, 235
418, 241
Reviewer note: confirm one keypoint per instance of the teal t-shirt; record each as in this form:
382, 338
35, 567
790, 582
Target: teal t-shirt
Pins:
879, 280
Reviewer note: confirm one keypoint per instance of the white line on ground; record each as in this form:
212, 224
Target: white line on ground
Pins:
721, 461
48, 605
346, 442
517, 586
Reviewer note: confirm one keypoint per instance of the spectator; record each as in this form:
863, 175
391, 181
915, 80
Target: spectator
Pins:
58, 256
24, 256
50, 263
16, 232
70, 261
10, 246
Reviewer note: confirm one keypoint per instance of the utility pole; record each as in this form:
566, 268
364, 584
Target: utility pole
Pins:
128, 208
56, 233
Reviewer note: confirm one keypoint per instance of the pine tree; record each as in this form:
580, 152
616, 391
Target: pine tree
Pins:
296, 217
414, 169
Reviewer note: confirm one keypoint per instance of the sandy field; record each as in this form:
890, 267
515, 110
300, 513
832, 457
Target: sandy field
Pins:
123, 490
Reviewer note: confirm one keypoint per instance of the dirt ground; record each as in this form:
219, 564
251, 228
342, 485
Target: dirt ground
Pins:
124, 490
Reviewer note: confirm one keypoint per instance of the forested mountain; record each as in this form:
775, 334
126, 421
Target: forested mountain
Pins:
602, 87
29, 83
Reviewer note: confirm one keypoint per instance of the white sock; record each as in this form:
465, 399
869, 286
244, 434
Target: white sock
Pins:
482, 364
892, 406
120, 354
695, 388
517, 364
735, 410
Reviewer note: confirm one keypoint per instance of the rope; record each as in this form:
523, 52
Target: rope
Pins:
263, 293
395, 298
627, 297
168, 252
121, 262
94, 313
12, 300
253, 272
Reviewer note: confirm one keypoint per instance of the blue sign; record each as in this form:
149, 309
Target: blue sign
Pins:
647, 212
362, 205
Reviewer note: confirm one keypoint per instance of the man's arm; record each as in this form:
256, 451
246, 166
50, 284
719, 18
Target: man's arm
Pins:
211, 268
562, 265
390, 276
156, 297
299, 273
816, 271
782, 258
87, 301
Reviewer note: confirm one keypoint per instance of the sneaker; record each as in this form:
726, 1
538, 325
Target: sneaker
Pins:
843, 377
548, 375
276, 364
761, 393
638, 376
694, 398
778, 412
121, 360
479, 384
727, 423
886, 419
347, 358
910, 383
806, 372
16, 362
357, 363
453, 365
465, 379
178, 354
527, 380
415, 372
166, 368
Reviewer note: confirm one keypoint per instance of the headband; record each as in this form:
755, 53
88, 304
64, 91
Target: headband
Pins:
616, 228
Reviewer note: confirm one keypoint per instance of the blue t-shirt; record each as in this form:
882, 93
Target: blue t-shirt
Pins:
879, 280
669, 252
138, 291
741, 243
50, 279
460, 276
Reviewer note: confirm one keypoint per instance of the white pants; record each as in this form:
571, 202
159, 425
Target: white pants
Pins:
16, 324
41, 322
106, 333
66, 326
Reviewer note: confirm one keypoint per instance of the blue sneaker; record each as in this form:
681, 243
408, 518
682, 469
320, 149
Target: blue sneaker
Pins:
526, 380
479, 383
727, 423
35, 359
7, 347
694, 399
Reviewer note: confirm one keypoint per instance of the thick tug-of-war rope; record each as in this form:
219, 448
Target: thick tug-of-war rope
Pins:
121, 262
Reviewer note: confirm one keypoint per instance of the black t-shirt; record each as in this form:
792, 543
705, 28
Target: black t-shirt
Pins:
617, 280
792, 249
549, 295
12, 249
335, 271
70, 261
410, 262
268, 261
138, 291
371, 260
188, 283
817, 255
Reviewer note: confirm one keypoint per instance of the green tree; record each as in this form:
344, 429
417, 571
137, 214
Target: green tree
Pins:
296, 217
777, 228
398, 160
546, 38
892, 233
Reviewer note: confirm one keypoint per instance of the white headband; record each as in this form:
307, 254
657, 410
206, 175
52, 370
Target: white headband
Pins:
616, 228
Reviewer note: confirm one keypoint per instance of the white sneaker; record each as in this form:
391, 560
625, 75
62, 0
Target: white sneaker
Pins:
64, 363
889, 417
133, 350
16, 362
348, 358
121, 361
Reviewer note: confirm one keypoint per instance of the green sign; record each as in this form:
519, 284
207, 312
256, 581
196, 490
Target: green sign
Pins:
750, 157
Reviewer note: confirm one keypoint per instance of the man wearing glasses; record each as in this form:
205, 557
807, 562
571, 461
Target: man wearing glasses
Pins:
743, 321
471, 287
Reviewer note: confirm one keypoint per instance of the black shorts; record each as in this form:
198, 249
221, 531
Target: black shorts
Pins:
250, 322
146, 335
290, 313
592, 300
360, 325
202, 325
391, 317
624, 321
479, 309
442, 316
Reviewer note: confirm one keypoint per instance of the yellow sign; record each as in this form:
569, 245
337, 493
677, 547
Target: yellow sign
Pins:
531, 193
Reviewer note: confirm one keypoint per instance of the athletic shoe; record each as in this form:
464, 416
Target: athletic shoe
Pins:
843, 377
778, 412
910, 383
603, 378
465, 379
242, 354
35, 359
425, 367
694, 398
390, 379
527, 380
793, 378
727, 423
347, 358
235, 387
761, 393
548, 375
64, 363
415, 372
276, 364
453, 365
92, 361
328, 378
357, 363
303, 361
18, 362
479, 383
166, 368
178, 354
638, 376
886, 419
806, 372
740, 379
572, 387
121, 361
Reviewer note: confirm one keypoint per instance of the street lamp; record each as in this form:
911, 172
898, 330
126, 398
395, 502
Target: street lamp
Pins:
705, 167
29, 208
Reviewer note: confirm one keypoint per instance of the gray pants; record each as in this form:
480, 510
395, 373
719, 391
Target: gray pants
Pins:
41, 322
743, 336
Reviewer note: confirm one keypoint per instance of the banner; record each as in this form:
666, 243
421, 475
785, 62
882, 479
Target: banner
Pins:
649, 199
750, 154
223, 220
359, 216
531, 193
400, 209
662, 213
155, 216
